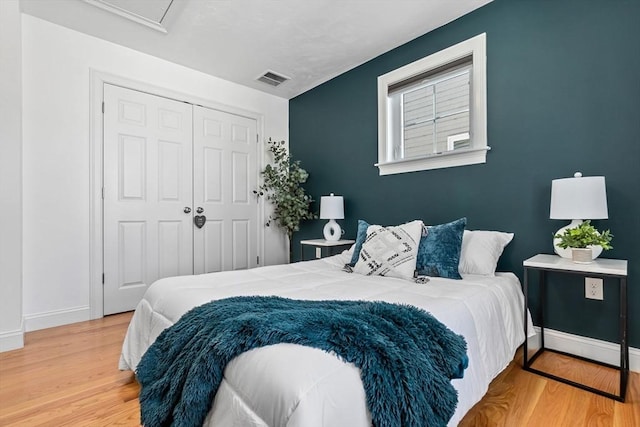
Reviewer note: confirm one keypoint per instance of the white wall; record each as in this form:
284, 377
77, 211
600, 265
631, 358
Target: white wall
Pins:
11, 335
56, 114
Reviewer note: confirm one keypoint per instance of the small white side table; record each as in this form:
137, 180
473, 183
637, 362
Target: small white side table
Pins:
601, 267
322, 243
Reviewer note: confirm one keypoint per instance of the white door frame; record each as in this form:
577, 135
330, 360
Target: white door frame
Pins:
97, 81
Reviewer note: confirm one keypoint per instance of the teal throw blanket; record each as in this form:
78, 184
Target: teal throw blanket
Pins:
406, 357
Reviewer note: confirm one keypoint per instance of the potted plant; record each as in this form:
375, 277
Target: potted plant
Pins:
283, 188
582, 239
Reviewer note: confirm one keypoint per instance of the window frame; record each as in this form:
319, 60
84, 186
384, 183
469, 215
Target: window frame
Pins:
475, 48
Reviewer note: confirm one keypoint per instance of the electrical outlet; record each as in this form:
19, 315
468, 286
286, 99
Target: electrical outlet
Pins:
593, 288
318, 252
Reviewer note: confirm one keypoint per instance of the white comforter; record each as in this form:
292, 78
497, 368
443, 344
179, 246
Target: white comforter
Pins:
296, 386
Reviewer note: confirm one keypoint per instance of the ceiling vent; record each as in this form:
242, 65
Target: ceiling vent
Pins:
272, 78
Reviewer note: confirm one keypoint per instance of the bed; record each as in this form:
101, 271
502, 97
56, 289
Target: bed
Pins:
294, 386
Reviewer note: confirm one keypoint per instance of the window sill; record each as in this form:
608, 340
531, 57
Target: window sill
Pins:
436, 161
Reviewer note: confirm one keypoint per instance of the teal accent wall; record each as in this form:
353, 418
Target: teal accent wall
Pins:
563, 96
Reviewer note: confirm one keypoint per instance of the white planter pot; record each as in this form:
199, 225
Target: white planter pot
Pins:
581, 255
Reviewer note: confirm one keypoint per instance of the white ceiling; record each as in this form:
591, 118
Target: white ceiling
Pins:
310, 41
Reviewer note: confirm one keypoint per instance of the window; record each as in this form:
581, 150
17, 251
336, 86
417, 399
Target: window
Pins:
432, 112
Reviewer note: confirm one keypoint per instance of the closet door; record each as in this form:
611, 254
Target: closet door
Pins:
147, 164
224, 177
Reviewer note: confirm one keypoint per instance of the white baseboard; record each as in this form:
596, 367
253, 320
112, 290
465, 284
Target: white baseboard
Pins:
602, 351
12, 340
50, 319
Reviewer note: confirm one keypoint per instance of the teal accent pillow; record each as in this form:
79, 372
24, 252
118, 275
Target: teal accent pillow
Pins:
439, 250
360, 238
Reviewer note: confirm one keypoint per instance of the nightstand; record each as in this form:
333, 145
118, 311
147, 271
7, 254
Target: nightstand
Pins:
322, 243
600, 268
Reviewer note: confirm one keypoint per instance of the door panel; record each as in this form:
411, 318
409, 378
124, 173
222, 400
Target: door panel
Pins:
225, 174
170, 250
132, 155
213, 174
213, 255
241, 241
240, 185
132, 248
170, 160
147, 184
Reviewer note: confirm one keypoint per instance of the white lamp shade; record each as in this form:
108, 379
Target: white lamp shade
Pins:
579, 198
331, 207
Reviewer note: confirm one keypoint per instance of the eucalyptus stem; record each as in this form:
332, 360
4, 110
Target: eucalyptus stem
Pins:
282, 187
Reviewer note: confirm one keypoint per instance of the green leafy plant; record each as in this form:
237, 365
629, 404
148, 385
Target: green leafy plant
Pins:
584, 235
282, 186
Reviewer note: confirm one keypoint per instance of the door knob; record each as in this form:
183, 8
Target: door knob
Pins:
187, 209
199, 209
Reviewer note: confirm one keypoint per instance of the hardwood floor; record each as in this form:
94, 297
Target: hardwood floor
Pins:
68, 376
520, 398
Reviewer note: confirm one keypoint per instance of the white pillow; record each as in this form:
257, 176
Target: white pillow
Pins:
481, 250
390, 251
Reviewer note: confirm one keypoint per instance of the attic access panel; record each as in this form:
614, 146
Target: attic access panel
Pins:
145, 12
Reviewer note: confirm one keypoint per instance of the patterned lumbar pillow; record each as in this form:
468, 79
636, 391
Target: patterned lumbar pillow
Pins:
390, 251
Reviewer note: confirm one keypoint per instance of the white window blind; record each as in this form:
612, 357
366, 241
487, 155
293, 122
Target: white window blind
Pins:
435, 114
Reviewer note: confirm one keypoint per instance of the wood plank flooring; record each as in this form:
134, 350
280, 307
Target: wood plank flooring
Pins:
68, 376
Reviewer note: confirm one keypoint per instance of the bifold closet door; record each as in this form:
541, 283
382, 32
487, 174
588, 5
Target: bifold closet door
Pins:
147, 164
224, 177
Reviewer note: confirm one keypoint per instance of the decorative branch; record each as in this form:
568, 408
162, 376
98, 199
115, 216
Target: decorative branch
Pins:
282, 187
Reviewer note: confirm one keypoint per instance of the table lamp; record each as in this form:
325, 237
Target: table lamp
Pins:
577, 199
332, 208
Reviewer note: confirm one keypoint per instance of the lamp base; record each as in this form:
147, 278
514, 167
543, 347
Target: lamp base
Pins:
567, 253
332, 231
